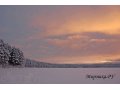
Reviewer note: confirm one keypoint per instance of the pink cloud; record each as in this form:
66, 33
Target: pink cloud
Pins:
82, 44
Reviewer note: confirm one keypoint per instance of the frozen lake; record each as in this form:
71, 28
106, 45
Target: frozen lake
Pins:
57, 75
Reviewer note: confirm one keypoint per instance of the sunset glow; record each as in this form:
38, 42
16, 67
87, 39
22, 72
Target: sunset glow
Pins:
63, 34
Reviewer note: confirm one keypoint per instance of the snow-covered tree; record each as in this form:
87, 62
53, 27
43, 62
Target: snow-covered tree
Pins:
10, 55
16, 57
4, 54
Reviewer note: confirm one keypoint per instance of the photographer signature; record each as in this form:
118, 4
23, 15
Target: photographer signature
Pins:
93, 77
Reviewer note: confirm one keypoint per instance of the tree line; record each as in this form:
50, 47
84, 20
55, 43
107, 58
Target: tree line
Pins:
10, 55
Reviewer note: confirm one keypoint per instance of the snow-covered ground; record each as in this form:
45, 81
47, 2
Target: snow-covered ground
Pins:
57, 75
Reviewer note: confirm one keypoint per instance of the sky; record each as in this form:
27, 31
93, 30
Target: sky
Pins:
63, 34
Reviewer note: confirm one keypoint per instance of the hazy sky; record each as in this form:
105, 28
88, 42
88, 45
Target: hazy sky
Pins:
63, 34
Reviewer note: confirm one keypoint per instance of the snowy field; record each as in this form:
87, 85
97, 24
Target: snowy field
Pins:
57, 75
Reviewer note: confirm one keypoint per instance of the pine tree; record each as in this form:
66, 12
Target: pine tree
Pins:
4, 55
10, 55
16, 57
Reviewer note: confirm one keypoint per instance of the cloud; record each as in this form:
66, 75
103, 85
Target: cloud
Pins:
86, 44
71, 20
63, 33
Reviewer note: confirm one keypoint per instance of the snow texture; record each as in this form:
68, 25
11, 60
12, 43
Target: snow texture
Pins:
57, 75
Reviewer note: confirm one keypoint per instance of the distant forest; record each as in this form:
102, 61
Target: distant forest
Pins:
11, 56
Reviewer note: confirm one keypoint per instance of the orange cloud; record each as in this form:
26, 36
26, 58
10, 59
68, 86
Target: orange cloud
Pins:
79, 33
70, 21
